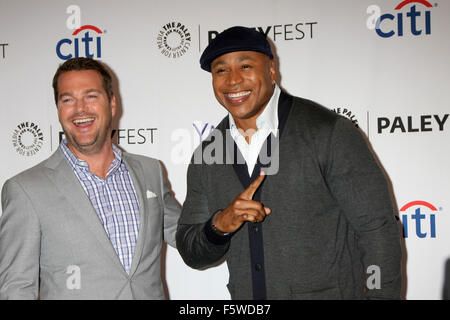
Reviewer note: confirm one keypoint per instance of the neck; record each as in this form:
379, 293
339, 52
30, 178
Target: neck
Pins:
98, 161
247, 127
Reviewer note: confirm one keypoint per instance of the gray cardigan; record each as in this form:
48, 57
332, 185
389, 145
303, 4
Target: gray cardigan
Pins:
332, 215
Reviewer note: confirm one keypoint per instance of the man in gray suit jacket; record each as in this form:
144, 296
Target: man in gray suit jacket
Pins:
89, 222
319, 224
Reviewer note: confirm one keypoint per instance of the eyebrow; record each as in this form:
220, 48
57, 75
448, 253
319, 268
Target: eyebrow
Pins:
217, 63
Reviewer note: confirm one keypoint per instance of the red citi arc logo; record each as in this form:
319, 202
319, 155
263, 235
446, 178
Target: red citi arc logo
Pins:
70, 48
404, 3
423, 217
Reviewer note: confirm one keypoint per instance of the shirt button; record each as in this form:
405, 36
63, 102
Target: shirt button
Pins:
258, 267
255, 228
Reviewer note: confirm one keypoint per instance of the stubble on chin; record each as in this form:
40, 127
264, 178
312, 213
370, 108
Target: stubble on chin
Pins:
91, 147
85, 148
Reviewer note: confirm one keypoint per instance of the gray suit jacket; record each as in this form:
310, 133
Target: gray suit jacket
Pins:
332, 216
53, 244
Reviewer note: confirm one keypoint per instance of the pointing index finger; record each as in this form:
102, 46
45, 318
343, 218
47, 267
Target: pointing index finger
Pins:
250, 191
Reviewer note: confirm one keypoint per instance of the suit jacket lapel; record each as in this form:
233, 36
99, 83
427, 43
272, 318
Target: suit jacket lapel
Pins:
136, 170
66, 181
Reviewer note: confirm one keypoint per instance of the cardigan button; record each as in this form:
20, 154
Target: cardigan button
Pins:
258, 267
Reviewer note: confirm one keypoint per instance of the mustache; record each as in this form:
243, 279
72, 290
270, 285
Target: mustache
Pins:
83, 115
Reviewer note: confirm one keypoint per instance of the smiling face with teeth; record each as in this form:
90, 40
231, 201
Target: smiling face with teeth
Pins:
85, 112
243, 82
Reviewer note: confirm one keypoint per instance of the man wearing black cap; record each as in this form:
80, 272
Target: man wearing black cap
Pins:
285, 190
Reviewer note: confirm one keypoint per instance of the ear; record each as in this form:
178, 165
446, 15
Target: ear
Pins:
113, 105
272, 71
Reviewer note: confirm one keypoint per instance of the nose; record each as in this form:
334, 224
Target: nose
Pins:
234, 77
81, 105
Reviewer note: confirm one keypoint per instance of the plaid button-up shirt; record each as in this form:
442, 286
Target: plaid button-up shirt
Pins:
114, 199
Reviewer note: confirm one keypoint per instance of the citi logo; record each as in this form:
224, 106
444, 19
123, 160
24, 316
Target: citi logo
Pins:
87, 42
419, 219
387, 25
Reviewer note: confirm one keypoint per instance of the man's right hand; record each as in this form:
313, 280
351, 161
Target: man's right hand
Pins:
242, 209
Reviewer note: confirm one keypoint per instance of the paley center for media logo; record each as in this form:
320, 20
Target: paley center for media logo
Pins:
27, 138
419, 219
345, 111
409, 17
85, 41
173, 40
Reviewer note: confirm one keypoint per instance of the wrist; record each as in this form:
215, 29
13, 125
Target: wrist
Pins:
214, 226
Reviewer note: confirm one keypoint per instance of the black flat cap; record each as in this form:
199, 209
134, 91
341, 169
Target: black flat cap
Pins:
234, 39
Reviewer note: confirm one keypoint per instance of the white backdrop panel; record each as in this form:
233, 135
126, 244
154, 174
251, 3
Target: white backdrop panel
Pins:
396, 88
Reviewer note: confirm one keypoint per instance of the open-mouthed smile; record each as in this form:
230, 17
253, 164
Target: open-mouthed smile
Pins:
237, 97
83, 122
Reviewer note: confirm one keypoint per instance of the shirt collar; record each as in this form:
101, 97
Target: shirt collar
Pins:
267, 120
75, 162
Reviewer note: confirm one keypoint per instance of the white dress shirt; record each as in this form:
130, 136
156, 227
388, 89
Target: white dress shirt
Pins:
267, 123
